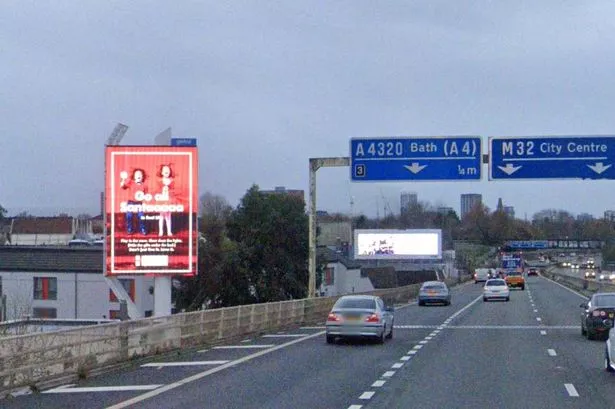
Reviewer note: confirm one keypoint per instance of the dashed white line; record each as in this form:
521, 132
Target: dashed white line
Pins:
543, 332
538, 319
412, 352
423, 342
355, 406
405, 358
572, 391
397, 365
418, 347
366, 395
388, 374
551, 352
378, 384
535, 310
428, 338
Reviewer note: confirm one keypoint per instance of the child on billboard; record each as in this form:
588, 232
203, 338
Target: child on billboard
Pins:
166, 176
136, 187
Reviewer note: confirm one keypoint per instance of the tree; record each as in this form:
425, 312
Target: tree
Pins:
2, 212
271, 232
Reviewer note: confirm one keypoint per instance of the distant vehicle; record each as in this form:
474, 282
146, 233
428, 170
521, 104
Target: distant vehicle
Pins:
434, 292
532, 271
597, 315
359, 316
481, 275
78, 243
496, 288
515, 279
590, 274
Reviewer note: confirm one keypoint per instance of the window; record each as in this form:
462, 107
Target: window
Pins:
114, 314
329, 275
45, 288
44, 313
129, 286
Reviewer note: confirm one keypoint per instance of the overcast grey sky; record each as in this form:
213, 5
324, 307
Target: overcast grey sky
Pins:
265, 85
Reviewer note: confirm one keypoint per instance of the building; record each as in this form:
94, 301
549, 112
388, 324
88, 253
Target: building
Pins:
46, 231
281, 190
609, 215
509, 211
469, 201
408, 200
64, 282
445, 210
335, 234
585, 217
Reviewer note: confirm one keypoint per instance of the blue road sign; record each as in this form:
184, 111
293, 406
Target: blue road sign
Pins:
183, 141
420, 159
555, 157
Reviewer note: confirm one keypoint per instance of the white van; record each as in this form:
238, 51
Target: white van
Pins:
481, 274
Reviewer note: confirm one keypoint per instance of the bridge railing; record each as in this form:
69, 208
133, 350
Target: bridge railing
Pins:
30, 359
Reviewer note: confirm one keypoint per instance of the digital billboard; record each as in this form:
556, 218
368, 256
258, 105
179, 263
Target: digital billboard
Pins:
398, 244
151, 201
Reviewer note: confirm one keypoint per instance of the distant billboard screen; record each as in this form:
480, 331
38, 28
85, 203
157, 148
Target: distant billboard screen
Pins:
398, 244
151, 202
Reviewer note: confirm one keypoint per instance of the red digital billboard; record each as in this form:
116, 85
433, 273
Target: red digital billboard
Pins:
151, 201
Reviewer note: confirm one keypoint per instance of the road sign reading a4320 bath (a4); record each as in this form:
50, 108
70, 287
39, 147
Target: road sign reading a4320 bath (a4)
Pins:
552, 157
419, 159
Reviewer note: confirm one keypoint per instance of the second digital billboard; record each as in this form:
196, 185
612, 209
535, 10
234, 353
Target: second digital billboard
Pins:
398, 244
151, 197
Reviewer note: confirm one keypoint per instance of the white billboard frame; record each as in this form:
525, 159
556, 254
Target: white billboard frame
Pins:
405, 240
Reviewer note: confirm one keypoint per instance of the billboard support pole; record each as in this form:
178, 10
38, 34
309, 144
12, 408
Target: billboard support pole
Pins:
315, 164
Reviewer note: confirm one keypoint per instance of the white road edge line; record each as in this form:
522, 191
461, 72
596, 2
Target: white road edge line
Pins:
187, 363
196, 377
551, 352
367, 395
124, 388
571, 390
566, 288
283, 335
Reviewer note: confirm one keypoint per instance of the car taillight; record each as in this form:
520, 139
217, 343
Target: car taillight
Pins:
333, 317
373, 318
603, 313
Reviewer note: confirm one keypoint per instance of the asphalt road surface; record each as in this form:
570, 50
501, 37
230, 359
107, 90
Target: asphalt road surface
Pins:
525, 353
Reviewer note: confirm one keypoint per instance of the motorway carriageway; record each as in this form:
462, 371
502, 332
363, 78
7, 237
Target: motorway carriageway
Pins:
525, 353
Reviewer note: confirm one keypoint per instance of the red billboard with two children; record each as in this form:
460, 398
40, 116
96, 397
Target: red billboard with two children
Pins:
152, 205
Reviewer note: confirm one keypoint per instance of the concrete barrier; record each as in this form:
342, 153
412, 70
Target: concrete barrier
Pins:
28, 360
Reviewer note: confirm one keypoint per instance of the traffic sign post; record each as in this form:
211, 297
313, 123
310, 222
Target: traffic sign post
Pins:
417, 159
555, 157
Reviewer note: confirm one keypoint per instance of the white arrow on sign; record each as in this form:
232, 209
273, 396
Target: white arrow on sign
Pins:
599, 167
415, 168
509, 169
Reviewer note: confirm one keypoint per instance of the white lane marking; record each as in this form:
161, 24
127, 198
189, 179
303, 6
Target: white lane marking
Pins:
423, 342
388, 374
397, 365
566, 288
188, 363
323, 327
412, 352
65, 386
417, 347
366, 395
551, 352
246, 340
378, 384
428, 338
575, 327
538, 319
196, 377
355, 406
535, 310
91, 389
436, 332
433, 334
571, 390
283, 335
244, 346
543, 332
405, 358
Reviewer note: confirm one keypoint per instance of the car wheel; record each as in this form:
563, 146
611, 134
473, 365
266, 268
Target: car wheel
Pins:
421, 303
330, 339
390, 335
507, 299
607, 361
380, 339
484, 299
583, 330
522, 288
590, 335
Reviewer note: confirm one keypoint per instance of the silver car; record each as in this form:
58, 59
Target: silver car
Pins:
360, 316
434, 292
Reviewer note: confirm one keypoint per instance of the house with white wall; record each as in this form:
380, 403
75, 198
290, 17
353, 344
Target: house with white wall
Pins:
64, 282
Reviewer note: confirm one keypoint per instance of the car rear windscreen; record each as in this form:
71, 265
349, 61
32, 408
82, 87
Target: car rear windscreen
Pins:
604, 300
433, 287
356, 303
495, 282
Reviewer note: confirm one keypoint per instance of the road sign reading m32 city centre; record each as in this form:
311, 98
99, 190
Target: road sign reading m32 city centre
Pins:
552, 157
419, 159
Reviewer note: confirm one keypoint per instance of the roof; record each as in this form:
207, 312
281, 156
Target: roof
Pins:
331, 256
43, 225
60, 259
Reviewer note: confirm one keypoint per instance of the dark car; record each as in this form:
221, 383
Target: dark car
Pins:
434, 292
597, 315
532, 271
